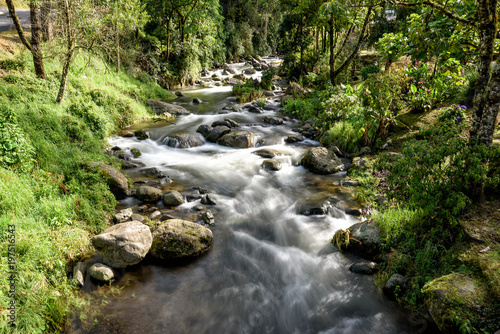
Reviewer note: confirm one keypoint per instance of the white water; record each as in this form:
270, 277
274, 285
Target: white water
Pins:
263, 274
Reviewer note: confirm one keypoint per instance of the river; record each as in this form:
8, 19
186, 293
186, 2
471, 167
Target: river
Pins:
267, 271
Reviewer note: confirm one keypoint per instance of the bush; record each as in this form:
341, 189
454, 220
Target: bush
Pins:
16, 151
247, 91
345, 135
369, 70
437, 172
454, 113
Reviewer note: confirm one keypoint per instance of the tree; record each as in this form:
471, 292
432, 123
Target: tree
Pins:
35, 46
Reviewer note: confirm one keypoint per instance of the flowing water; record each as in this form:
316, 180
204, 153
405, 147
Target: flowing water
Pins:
267, 271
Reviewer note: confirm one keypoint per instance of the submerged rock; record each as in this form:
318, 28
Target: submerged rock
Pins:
291, 139
322, 161
208, 217
177, 239
272, 165
197, 100
273, 120
101, 272
141, 134
123, 244
209, 199
267, 153
117, 182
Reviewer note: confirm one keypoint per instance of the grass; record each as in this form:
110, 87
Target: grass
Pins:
48, 190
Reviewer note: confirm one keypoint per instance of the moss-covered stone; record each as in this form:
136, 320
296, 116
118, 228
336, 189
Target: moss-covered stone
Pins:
177, 239
453, 300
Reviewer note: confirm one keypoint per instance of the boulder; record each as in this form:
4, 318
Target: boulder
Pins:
127, 133
135, 152
179, 94
117, 182
273, 120
367, 241
197, 100
319, 160
177, 239
221, 123
238, 139
454, 296
155, 215
395, 286
294, 139
172, 198
232, 123
148, 194
208, 217
217, 132
364, 268
267, 153
160, 107
272, 165
255, 110
123, 244
250, 71
122, 216
183, 140
209, 199
141, 134
204, 129
138, 218
79, 273
101, 272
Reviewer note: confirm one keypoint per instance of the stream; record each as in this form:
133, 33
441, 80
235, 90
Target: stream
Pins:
267, 270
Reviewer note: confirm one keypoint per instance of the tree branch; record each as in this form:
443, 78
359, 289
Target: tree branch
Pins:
439, 7
17, 24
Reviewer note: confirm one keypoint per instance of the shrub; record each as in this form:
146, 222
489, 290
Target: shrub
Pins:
455, 113
16, 151
369, 70
345, 135
437, 172
247, 91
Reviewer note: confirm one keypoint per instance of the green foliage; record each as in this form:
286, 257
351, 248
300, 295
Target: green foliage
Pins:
455, 113
436, 172
16, 151
341, 103
369, 70
345, 135
13, 64
303, 108
391, 46
247, 91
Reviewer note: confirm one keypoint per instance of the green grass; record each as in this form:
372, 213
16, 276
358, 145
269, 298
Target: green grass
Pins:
47, 188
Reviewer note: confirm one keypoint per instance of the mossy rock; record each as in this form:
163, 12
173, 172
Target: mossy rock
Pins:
178, 239
454, 299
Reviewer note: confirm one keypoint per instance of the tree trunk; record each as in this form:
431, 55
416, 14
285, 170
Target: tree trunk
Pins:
36, 40
486, 10
17, 24
486, 126
69, 53
46, 18
333, 76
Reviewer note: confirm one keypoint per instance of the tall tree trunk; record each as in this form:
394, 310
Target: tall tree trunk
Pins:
34, 47
486, 126
69, 53
333, 76
316, 31
332, 49
486, 10
36, 40
46, 18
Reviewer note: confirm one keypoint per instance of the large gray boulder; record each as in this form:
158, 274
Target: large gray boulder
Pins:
148, 194
101, 272
123, 244
320, 160
172, 198
183, 140
160, 108
177, 239
238, 139
116, 181
367, 242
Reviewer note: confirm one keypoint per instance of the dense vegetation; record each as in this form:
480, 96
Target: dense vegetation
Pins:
101, 60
